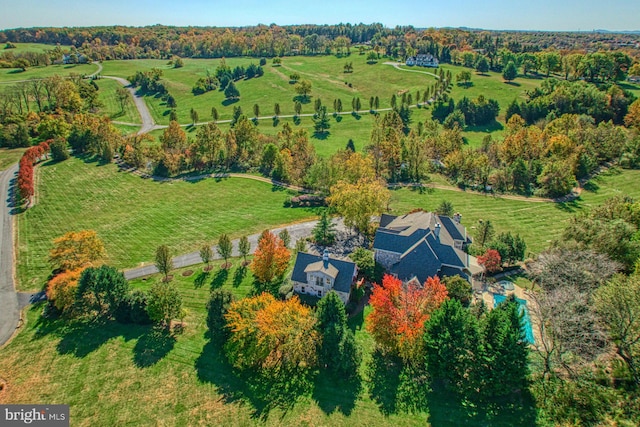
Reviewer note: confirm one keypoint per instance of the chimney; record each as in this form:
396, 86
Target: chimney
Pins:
436, 230
325, 258
457, 217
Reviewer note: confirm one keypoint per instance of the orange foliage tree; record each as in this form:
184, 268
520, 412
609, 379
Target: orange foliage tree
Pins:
270, 334
270, 259
400, 312
61, 290
76, 249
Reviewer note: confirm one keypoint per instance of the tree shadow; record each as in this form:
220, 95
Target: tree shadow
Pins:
260, 392
302, 99
80, 338
488, 128
356, 115
200, 279
153, 346
276, 121
220, 278
239, 275
395, 386
384, 377
516, 84
296, 120
571, 206
338, 118
321, 135
591, 186
336, 394
230, 101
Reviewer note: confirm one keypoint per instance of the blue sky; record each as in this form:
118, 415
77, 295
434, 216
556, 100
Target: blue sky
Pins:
569, 15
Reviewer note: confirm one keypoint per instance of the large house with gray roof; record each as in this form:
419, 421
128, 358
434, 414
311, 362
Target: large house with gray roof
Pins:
317, 275
423, 244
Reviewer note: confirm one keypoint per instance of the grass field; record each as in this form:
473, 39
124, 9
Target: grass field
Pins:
325, 73
29, 47
133, 216
111, 106
143, 214
9, 156
12, 75
127, 375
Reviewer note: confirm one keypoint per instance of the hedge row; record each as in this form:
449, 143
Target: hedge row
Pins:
25, 172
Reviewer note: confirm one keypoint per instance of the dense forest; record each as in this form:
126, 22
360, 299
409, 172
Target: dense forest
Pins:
117, 42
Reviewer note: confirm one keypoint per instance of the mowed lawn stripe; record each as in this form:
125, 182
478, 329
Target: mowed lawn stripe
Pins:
133, 216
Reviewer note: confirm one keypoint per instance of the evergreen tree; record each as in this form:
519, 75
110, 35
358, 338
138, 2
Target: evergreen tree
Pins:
323, 232
321, 121
338, 352
504, 356
510, 71
451, 345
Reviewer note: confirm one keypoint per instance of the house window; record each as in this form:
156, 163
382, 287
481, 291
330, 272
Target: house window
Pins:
327, 281
318, 281
302, 290
319, 294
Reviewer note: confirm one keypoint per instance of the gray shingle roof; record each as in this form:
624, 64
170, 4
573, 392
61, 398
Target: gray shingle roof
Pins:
345, 270
422, 253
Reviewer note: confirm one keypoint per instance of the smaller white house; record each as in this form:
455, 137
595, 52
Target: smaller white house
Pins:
423, 60
319, 274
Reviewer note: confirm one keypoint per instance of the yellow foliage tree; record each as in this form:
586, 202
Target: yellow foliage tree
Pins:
61, 290
358, 201
76, 249
271, 334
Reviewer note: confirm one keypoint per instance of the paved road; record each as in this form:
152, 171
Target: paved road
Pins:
9, 308
296, 231
148, 124
396, 65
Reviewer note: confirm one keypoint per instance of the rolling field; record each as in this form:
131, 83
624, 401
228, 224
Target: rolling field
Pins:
325, 73
9, 156
29, 47
113, 374
133, 216
143, 214
111, 106
13, 75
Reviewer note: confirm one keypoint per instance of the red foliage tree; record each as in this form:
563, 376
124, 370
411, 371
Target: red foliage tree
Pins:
400, 312
491, 261
25, 171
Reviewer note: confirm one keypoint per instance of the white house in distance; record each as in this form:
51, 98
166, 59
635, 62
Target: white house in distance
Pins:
319, 274
423, 60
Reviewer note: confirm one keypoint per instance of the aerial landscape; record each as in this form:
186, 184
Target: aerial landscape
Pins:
427, 216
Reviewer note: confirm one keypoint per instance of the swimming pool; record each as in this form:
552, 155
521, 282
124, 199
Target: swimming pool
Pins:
497, 299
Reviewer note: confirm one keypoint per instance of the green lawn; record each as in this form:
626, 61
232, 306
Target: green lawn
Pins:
9, 156
12, 75
325, 73
114, 374
29, 47
111, 106
133, 216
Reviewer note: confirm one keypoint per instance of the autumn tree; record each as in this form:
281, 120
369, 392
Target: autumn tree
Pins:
271, 336
101, 290
399, 312
123, 98
491, 261
224, 248
164, 304
244, 247
75, 250
338, 351
359, 201
61, 289
164, 263
271, 258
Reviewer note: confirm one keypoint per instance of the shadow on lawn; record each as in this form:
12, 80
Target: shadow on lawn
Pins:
81, 338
